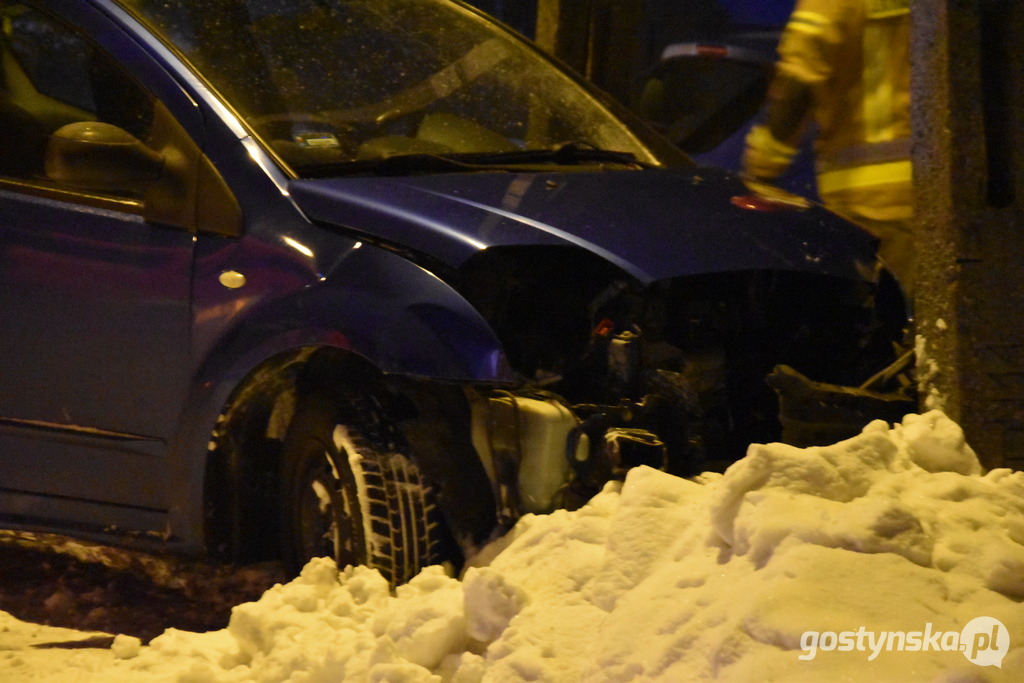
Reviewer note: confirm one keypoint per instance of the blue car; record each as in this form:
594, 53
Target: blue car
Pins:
371, 279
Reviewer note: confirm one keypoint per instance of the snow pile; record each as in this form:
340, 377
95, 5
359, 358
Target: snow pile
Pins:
875, 558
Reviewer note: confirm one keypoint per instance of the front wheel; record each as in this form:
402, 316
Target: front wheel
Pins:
349, 493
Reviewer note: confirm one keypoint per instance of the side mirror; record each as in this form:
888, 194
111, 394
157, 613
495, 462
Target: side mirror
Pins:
178, 185
91, 155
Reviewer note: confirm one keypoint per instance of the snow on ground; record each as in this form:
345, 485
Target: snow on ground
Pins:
887, 557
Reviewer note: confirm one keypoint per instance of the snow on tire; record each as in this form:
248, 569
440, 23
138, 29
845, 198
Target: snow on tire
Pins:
400, 521
344, 496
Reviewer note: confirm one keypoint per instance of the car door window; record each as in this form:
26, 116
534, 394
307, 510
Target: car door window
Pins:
51, 76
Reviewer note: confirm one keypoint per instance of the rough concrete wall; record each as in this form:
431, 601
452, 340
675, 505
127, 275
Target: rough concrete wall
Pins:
968, 155
563, 29
597, 38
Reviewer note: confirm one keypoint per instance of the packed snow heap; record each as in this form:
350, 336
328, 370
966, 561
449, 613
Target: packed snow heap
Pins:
888, 556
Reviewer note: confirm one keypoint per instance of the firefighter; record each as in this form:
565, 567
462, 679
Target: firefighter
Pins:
844, 66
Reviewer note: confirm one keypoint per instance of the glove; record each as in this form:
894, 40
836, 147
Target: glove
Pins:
764, 156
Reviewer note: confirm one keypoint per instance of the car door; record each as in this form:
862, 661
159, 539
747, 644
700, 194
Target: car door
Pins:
94, 296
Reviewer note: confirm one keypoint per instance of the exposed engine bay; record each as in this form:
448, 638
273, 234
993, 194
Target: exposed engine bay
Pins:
675, 376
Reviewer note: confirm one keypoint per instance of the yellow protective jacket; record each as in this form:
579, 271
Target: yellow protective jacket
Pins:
853, 56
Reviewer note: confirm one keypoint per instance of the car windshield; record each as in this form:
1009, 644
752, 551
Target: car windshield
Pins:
325, 83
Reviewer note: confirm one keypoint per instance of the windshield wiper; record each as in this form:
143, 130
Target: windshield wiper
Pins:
570, 154
567, 154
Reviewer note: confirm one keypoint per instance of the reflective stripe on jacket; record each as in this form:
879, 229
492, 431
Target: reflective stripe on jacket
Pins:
854, 54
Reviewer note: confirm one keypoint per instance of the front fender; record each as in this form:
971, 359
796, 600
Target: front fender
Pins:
405, 320
398, 316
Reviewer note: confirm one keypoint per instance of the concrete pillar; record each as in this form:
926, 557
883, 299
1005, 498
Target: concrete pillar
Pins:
969, 181
598, 38
563, 29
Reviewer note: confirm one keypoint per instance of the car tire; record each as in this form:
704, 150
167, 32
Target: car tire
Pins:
349, 493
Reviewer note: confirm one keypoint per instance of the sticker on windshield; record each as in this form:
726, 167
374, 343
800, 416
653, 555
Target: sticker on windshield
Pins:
317, 140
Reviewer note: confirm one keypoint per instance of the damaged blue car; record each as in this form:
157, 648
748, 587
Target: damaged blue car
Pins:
372, 279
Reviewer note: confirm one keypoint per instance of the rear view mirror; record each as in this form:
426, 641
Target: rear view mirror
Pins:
91, 155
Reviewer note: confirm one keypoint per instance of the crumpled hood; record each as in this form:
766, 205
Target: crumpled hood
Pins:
654, 224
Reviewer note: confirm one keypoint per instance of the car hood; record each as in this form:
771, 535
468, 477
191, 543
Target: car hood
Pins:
654, 224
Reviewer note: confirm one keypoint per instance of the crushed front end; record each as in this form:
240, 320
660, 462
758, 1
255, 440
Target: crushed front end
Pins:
674, 375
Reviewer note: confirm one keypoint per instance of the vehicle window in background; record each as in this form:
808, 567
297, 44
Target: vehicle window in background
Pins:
49, 77
332, 81
703, 94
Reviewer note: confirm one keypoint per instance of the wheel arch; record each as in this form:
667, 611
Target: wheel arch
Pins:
242, 463
375, 309
240, 466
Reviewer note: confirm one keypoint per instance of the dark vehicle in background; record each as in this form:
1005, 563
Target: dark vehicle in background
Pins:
373, 278
705, 96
